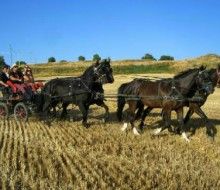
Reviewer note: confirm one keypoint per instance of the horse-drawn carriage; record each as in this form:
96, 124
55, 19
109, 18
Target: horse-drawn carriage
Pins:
168, 94
82, 91
17, 105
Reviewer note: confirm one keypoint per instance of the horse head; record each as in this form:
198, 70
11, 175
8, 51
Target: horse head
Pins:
196, 79
103, 71
204, 82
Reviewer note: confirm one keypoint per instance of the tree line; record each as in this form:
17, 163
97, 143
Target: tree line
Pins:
96, 57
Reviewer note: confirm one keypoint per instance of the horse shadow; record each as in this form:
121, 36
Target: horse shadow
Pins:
192, 126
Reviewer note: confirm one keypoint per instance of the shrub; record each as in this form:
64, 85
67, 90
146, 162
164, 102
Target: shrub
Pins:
63, 61
148, 56
81, 58
51, 59
2, 61
96, 57
166, 57
20, 63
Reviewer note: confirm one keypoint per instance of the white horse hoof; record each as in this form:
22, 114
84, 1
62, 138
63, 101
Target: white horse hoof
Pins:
124, 127
157, 131
135, 131
184, 136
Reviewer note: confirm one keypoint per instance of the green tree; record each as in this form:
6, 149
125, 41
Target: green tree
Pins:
148, 56
81, 58
63, 61
96, 57
51, 59
21, 63
2, 61
166, 58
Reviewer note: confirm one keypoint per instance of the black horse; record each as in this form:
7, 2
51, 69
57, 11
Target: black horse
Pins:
169, 94
81, 91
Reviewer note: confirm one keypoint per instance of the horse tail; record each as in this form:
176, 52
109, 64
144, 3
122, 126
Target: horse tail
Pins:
121, 100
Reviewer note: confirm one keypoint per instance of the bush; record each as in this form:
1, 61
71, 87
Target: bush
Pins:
21, 63
2, 61
148, 56
166, 58
96, 57
81, 58
63, 61
51, 59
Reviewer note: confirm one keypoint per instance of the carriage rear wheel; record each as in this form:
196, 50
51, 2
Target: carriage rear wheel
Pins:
21, 112
4, 113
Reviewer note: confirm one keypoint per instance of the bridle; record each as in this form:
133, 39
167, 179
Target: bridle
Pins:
205, 85
99, 76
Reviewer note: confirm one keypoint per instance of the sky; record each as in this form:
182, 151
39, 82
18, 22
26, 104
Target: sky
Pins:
33, 30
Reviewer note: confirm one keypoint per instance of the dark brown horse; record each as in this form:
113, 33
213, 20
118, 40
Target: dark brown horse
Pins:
169, 94
196, 107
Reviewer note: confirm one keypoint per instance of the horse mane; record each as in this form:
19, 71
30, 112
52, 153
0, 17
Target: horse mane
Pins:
184, 73
88, 71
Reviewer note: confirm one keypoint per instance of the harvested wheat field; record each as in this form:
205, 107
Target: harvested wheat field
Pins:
68, 156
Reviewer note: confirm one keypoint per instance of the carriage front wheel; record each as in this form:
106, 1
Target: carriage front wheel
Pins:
21, 112
4, 113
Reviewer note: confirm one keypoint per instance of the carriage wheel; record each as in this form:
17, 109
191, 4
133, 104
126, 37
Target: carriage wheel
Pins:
20, 112
4, 113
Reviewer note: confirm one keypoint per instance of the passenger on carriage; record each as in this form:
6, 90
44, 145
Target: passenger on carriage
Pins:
17, 78
29, 79
8, 86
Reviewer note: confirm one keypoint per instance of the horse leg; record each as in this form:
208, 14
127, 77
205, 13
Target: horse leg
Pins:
46, 113
131, 117
132, 108
189, 114
166, 117
64, 110
144, 115
84, 109
106, 111
140, 108
210, 129
179, 113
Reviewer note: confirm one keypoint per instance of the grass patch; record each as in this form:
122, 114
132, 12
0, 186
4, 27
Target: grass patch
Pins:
63, 70
139, 69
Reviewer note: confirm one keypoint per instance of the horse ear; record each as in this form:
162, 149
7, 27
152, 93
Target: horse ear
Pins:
202, 67
96, 64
